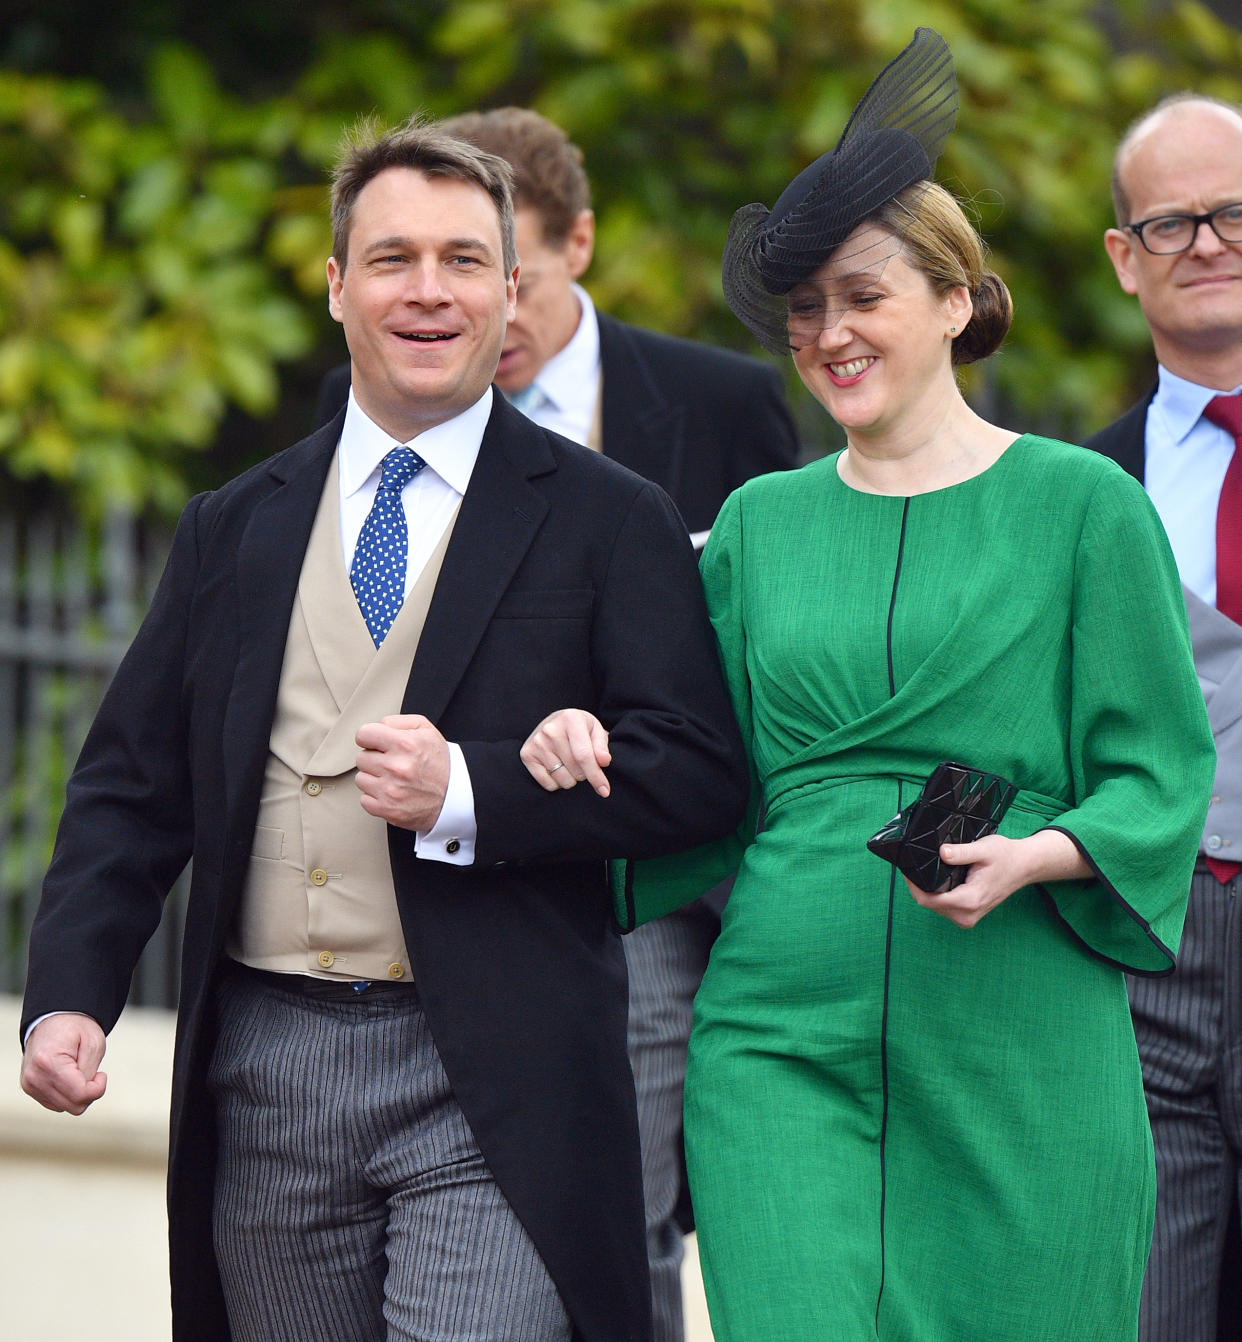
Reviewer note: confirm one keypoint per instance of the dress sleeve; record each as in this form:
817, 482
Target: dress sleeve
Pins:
649, 888
1141, 750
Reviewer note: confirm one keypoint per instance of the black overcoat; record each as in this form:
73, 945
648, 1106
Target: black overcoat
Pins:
568, 581
1125, 439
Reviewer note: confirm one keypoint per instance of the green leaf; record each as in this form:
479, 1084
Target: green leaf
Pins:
153, 195
184, 91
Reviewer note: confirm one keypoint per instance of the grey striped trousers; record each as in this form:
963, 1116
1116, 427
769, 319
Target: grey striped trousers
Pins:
666, 960
1189, 1032
352, 1203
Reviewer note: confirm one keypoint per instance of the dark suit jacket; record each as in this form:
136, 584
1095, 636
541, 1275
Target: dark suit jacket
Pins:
698, 421
568, 580
1125, 439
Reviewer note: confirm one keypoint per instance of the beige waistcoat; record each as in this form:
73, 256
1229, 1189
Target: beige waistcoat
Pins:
319, 895
595, 434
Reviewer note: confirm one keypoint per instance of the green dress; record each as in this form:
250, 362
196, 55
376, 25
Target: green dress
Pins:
897, 1128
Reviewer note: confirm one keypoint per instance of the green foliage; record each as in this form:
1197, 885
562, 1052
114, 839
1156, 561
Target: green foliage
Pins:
138, 296
162, 248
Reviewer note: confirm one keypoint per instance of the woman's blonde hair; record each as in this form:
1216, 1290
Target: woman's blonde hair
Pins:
940, 241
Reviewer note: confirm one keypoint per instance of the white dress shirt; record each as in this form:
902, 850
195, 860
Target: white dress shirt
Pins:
1187, 457
567, 386
429, 500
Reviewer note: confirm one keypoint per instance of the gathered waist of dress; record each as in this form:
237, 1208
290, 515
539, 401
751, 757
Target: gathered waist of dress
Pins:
789, 786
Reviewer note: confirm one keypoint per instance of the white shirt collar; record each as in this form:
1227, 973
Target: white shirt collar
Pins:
568, 379
450, 449
1178, 405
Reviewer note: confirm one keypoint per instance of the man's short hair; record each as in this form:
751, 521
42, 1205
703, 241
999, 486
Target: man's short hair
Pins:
548, 176
1121, 202
427, 147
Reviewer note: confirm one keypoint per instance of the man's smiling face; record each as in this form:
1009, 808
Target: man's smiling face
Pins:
423, 296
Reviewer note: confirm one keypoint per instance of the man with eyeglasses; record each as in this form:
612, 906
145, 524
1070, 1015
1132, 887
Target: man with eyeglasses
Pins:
1177, 189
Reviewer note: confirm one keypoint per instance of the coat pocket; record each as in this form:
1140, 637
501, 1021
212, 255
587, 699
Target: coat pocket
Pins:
545, 604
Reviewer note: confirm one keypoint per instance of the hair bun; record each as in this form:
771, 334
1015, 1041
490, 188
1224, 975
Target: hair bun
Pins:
989, 323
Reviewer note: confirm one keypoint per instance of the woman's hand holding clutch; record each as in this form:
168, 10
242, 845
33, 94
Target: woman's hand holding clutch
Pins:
998, 867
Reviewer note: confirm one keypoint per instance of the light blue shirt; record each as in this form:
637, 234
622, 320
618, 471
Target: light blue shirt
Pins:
1187, 457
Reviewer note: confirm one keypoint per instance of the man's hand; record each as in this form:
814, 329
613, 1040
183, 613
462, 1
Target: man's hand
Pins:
60, 1067
403, 770
569, 746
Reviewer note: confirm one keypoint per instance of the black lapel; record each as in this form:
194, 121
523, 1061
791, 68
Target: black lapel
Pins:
640, 428
269, 564
1125, 439
500, 514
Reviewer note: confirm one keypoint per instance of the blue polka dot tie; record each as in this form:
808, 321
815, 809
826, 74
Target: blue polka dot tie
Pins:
378, 570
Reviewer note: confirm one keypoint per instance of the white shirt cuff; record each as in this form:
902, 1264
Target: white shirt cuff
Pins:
38, 1020
451, 839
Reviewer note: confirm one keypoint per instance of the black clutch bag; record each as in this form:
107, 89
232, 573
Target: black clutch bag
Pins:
957, 805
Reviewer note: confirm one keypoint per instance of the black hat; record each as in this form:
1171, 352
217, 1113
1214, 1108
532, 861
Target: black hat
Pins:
892, 140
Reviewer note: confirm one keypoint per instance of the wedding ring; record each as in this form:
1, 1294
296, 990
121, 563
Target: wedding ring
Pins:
557, 766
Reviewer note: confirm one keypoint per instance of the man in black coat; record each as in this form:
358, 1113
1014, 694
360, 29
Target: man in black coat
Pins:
699, 422
1177, 190
319, 1080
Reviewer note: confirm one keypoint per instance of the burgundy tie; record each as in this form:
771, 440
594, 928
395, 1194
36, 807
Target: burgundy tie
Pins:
1226, 413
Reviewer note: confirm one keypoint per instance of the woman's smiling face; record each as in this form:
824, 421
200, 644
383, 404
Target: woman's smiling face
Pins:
870, 338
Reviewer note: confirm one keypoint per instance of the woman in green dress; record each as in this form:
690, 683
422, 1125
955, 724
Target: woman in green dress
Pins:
910, 1115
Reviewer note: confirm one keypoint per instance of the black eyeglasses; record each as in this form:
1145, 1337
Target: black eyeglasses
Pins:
1169, 233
